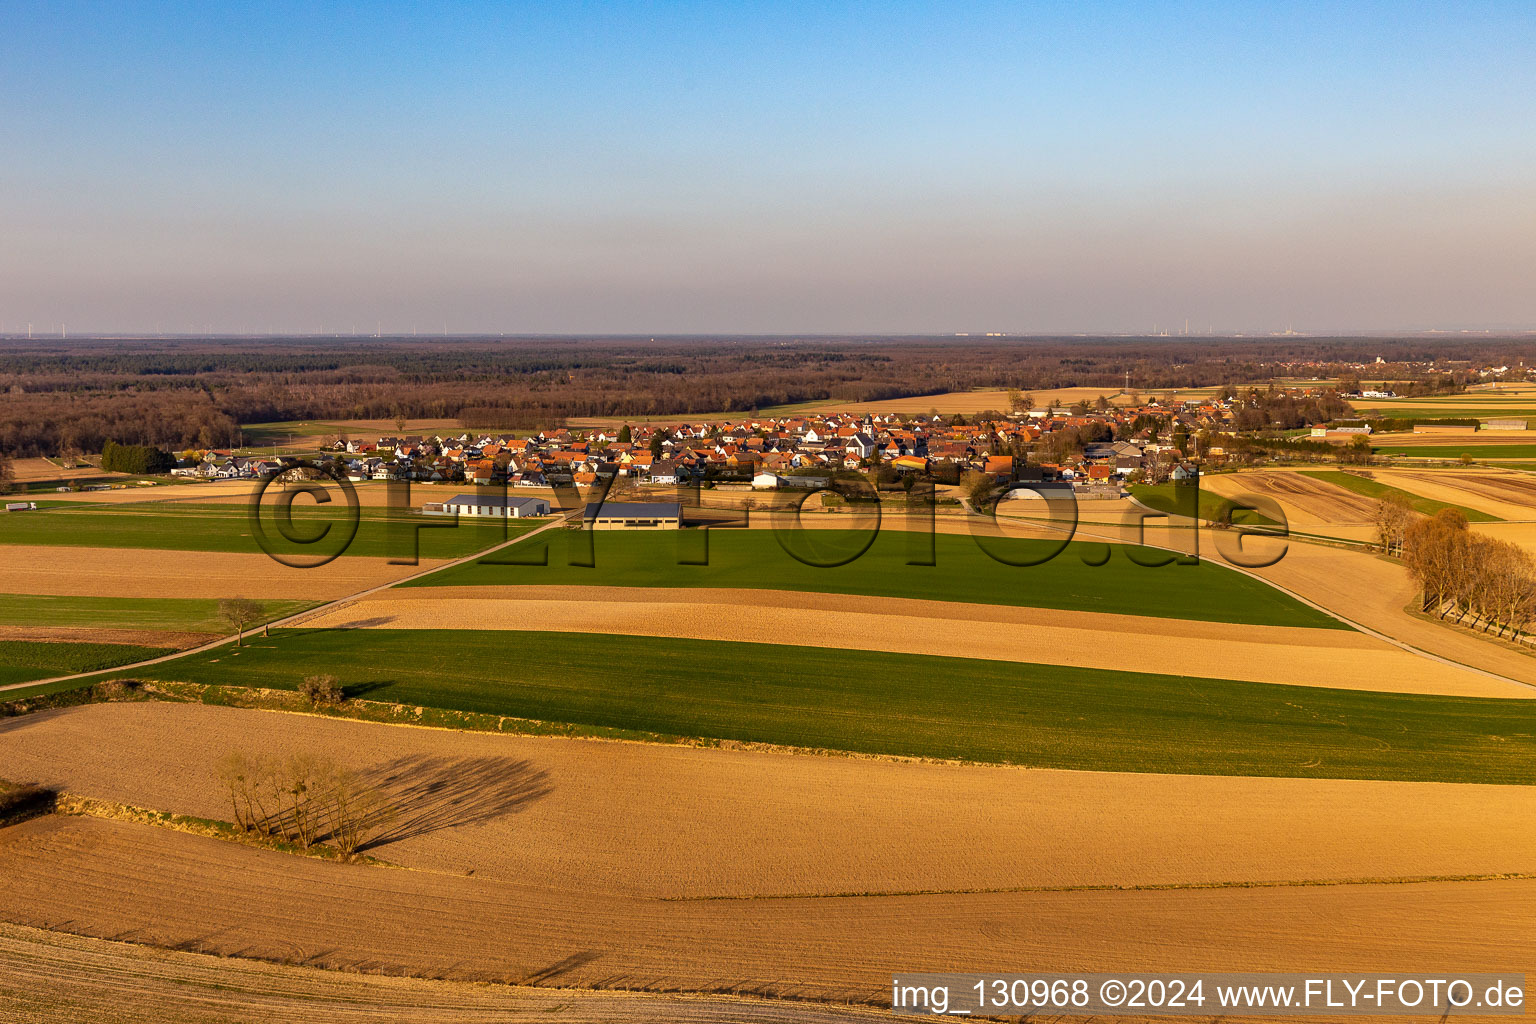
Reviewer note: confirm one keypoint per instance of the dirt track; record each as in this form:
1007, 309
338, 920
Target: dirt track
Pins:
143, 884
1312, 657
665, 821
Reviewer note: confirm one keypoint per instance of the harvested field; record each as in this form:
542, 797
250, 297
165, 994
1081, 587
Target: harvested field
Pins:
1314, 657
238, 492
146, 572
110, 879
99, 635
48, 977
1480, 439
1306, 501
647, 820
969, 402
1507, 495
28, 471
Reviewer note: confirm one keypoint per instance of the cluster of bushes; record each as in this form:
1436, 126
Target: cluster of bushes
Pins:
303, 800
135, 458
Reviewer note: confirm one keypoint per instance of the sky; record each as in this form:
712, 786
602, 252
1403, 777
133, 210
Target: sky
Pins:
766, 168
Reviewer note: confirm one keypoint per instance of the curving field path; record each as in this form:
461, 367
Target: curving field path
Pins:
1133, 643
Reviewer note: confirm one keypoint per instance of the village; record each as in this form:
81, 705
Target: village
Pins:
1093, 447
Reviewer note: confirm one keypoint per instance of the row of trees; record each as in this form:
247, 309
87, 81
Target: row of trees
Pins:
1468, 574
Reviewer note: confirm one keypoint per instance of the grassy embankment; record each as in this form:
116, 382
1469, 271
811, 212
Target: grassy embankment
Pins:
879, 703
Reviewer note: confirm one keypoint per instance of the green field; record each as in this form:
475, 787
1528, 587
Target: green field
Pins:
873, 702
21, 660
1173, 499
179, 614
1521, 408
754, 559
189, 526
1376, 489
1456, 451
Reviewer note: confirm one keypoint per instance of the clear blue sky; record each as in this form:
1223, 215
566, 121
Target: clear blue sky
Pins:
630, 167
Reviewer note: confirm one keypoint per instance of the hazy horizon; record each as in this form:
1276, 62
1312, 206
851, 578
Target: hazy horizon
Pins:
673, 169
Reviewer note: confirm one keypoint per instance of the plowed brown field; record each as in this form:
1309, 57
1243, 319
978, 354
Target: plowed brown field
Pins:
1307, 501
98, 635
48, 977
140, 572
663, 821
142, 884
1508, 495
28, 471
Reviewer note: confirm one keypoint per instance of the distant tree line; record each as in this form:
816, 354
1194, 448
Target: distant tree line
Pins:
196, 392
135, 458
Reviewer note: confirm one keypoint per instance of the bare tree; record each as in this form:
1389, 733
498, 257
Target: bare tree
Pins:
1435, 551
1393, 515
303, 800
7, 475
239, 612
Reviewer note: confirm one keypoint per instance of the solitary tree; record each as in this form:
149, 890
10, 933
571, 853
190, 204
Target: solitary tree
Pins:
239, 612
7, 474
625, 435
1393, 515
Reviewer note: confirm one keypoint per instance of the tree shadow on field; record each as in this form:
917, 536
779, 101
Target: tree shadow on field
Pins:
429, 793
363, 689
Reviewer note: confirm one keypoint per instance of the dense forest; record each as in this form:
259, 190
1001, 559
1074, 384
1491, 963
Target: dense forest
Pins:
181, 392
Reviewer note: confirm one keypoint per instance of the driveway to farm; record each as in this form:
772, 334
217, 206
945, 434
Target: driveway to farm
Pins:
290, 620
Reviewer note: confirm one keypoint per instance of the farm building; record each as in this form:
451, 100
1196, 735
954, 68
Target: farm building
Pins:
1344, 433
1505, 424
633, 515
494, 505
